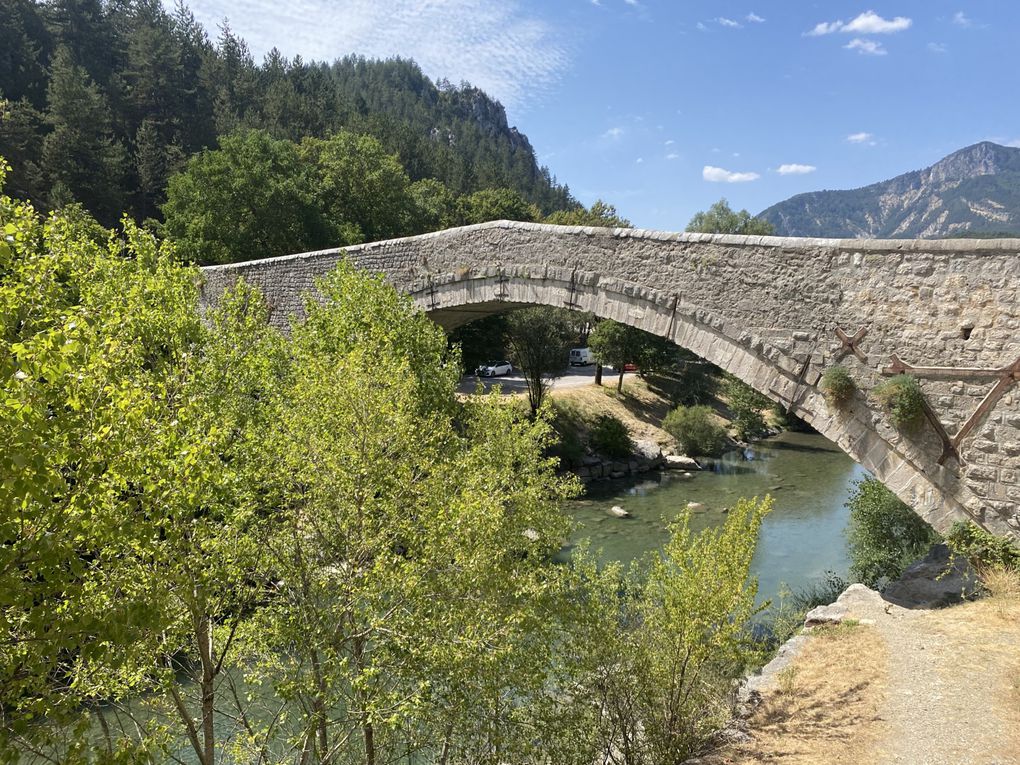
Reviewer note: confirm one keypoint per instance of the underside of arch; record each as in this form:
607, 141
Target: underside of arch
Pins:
934, 492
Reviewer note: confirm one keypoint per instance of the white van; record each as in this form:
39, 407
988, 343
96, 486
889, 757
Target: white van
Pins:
581, 357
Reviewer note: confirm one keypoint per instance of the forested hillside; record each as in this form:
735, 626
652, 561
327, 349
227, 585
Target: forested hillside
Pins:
103, 101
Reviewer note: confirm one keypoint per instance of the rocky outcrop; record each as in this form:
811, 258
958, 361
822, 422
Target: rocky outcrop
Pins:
938, 580
975, 189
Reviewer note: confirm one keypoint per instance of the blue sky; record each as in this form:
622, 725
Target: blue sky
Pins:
661, 107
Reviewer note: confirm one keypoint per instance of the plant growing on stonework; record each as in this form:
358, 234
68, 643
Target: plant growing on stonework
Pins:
903, 400
837, 386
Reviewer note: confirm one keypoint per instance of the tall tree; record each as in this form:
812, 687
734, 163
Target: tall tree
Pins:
616, 345
81, 154
362, 189
251, 198
539, 339
21, 141
24, 44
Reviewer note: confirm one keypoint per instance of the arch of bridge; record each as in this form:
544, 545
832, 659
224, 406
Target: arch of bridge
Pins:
775, 312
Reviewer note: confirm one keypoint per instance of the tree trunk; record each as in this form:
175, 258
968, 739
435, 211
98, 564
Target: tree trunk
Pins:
367, 731
619, 382
205, 649
598, 374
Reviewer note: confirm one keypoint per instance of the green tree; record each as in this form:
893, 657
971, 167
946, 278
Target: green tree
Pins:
661, 682
133, 543
434, 207
747, 407
616, 344
539, 340
361, 189
884, 534
601, 214
81, 154
720, 219
412, 551
21, 141
251, 198
498, 204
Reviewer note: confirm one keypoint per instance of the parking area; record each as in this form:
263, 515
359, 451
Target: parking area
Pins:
573, 377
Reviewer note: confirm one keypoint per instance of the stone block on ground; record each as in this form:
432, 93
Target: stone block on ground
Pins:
938, 580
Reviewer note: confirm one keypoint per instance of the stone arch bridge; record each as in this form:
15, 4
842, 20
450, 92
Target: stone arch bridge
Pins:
775, 312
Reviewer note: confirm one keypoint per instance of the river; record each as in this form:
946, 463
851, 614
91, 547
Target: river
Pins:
809, 478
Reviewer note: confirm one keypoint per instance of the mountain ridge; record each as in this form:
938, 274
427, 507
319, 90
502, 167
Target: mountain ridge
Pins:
973, 191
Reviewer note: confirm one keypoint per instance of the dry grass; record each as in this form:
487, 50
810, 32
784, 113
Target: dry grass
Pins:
638, 408
986, 636
823, 708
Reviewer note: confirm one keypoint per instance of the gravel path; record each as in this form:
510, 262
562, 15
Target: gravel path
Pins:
949, 697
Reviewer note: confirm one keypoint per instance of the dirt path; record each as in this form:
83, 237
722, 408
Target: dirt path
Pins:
950, 693
896, 686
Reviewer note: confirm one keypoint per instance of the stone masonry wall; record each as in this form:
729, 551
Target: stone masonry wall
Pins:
766, 309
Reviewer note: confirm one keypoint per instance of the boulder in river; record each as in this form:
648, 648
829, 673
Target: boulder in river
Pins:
680, 462
695, 506
618, 512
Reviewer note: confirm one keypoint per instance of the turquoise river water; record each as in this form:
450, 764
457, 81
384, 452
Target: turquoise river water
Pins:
809, 478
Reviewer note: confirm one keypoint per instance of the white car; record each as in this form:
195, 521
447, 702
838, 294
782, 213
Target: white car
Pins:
494, 369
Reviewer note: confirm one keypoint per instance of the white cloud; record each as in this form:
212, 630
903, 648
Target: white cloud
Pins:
1015, 143
866, 47
961, 20
672, 155
754, 18
639, 161
936, 47
825, 28
861, 137
730, 23
504, 48
795, 169
613, 132
719, 175
670, 142
701, 27
868, 23
631, 2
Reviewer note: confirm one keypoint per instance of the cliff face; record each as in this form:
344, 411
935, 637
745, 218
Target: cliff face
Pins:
972, 191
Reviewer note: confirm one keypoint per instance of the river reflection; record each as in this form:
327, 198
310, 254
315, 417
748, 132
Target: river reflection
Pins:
808, 477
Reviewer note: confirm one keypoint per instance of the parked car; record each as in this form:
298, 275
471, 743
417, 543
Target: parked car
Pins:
581, 357
494, 369
629, 367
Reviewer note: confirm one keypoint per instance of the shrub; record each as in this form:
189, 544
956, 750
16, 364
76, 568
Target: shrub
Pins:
902, 398
609, 436
746, 405
837, 386
982, 549
885, 535
787, 616
696, 431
